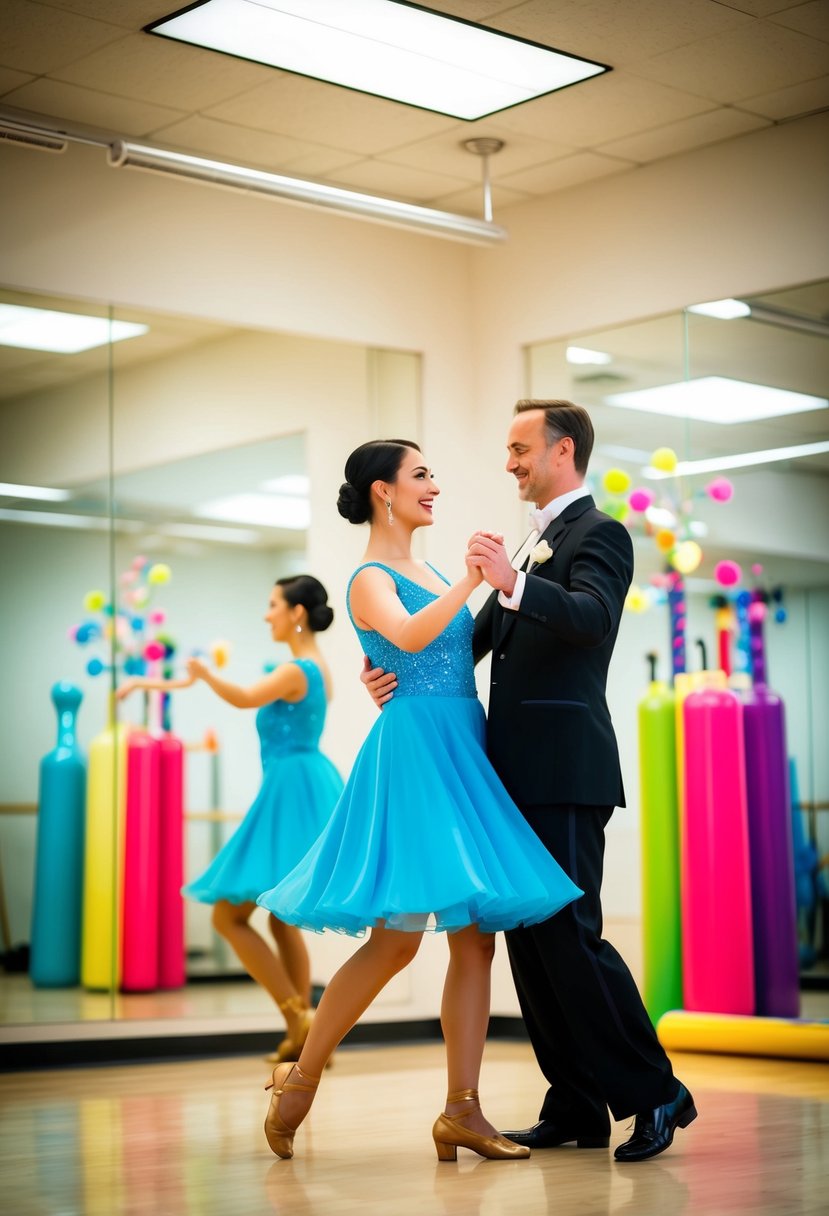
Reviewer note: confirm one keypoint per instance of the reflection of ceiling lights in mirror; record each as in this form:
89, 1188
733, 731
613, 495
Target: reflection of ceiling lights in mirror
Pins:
41, 493
717, 399
583, 354
296, 485
65, 333
723, 310
57, 519
229, 536
383, 47
264, 510
741, 460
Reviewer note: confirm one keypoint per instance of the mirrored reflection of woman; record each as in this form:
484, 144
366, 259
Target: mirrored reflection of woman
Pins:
300, 787
424, 834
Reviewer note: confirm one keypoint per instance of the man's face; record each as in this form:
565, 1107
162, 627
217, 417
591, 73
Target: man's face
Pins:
534, 466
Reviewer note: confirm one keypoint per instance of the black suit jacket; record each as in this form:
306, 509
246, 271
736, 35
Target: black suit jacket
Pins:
549, 733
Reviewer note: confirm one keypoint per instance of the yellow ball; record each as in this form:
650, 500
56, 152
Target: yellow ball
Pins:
159, 574
616, 481
94, 601
686, 557
636, 600
665, 540
664, 459
219, 652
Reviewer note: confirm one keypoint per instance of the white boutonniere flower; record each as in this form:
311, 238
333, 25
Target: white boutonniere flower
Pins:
541, 553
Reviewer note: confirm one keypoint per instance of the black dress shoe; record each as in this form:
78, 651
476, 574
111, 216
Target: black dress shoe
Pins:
654, 1130
547, 1134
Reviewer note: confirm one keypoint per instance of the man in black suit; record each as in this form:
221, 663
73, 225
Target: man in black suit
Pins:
551, 628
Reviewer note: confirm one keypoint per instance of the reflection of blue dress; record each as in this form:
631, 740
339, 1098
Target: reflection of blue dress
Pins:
299, 789
424, 834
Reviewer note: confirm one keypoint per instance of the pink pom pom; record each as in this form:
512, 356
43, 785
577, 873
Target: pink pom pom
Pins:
138, 563
757, 611
72, 633
641, 499
154, 651
158, 617
727, 573
720, 489
757, 569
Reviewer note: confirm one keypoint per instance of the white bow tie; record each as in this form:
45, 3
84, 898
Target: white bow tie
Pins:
540, 520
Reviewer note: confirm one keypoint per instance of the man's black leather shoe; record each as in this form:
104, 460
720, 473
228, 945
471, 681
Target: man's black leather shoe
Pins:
654, 1130
547, 1134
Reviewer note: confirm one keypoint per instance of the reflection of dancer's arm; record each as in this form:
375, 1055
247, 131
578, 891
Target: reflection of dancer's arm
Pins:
286, 683
148, 684
375, 602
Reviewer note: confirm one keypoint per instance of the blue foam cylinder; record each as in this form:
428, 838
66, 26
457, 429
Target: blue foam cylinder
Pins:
56, 912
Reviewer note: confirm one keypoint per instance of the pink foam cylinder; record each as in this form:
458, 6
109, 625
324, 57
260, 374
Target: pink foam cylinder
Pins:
717, 937
171, 957
139, 940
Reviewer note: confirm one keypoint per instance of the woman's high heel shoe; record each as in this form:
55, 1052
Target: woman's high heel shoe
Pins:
279, 1135
291, 1047
449, 1134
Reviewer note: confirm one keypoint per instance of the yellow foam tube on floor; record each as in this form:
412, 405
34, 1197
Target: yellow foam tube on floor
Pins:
103, 860
729, 1034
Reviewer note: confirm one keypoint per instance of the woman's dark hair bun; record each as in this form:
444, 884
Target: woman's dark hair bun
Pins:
320, 617
307, 591
353, 505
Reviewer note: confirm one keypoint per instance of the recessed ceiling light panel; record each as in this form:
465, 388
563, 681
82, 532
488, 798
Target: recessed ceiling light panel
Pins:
388, 48
63, 333
717, 399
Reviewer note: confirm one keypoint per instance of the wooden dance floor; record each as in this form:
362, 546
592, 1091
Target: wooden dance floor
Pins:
185, 1139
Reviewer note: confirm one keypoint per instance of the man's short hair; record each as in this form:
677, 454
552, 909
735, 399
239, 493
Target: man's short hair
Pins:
563, 418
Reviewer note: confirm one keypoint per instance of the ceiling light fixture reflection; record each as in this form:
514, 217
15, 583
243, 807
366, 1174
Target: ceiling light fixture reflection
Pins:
41, 493
297, 485
264, 510
388, 48
123, 154
717, 399
583, 354
723, 310
742, 460
63, 333
225, 536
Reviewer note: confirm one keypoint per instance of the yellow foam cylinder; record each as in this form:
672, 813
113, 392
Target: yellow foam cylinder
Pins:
729, 1034
103, 859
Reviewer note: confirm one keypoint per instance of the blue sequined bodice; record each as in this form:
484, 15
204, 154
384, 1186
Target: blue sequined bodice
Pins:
293, 726
444, 668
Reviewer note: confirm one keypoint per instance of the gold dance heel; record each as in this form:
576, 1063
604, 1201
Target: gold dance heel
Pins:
279, 1135
449, 1134
290, 1048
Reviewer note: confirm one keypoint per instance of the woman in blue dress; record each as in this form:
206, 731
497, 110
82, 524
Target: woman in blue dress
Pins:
424, 835
300, 787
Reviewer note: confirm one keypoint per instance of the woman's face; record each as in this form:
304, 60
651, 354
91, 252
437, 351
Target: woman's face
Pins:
281, 617
413, 493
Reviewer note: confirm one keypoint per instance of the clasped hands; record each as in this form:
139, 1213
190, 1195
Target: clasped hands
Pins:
485, 551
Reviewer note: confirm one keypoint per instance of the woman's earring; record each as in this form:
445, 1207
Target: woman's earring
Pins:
388, 509
299, 629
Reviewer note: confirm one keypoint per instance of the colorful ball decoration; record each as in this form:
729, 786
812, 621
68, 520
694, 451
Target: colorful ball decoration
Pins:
616, 481
686, 557
158, 574
665, 540
636, 600
720, 489
727, 573
664, 459
94, 601
640, 499
219, 652
616, 509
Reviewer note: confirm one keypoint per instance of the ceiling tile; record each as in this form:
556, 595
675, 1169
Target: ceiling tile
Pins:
561, 174
811, 19
39, 39
112, 114
470, 201
788, 103
129, 14
471, 10
10, 79
241, 145
380, 177
617, 34
761, 8
304, 108
446, 153
166, 73
681, 136
608, 107
741, 63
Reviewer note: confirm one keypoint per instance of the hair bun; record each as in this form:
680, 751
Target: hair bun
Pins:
353, 505
320, 617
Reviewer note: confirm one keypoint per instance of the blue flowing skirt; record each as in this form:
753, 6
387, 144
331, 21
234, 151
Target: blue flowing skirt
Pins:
299, 791
424, 836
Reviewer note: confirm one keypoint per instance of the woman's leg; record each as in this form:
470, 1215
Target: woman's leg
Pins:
464, 1017
290, 945
347, 996
259, 960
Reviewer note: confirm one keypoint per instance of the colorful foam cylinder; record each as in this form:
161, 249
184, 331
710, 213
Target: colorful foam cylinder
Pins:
171, 952
717, 938
103, 858
661, 918
776, 963
139, 943
55, 960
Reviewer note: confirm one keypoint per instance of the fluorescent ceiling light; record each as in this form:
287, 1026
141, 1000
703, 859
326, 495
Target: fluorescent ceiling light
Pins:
65, 333
384, 47
296, 484
717, 399
723, 310
42, 493
229, 536
742, 460
55, 519
583, 354
267, 510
